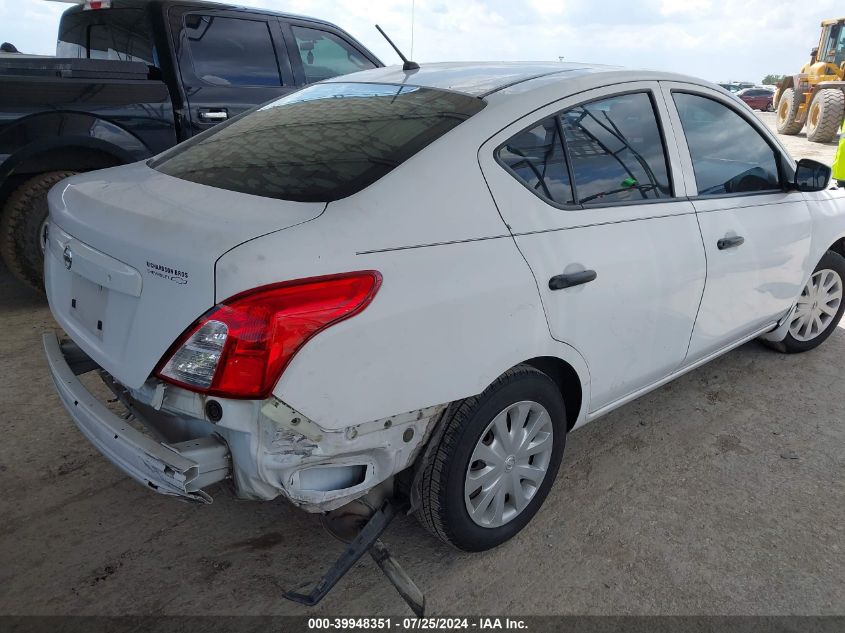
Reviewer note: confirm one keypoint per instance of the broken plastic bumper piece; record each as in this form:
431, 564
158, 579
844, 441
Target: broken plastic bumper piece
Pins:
179, 469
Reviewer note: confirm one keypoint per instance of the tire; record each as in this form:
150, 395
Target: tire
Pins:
445, 495
21, 225
825, 116
830, 272
787, 112
770, 107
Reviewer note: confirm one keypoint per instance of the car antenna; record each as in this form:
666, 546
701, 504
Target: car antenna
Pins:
408, 64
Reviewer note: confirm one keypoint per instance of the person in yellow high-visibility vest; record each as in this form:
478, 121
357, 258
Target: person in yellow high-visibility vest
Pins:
838, 168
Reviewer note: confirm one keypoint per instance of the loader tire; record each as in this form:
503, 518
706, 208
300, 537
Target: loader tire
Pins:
787, 113
825, 115
21, 227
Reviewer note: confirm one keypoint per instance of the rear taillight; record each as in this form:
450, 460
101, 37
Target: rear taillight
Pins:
239, 348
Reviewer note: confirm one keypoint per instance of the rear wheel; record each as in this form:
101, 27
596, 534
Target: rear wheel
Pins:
825, 116
819, 308
494, 462
22, 226
787, 113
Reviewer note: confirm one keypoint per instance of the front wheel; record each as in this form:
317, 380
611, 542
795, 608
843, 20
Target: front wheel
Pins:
494, 461
818, 309
825, 115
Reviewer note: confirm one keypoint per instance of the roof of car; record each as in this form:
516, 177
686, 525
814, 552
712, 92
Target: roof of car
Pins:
482, 79
478, 79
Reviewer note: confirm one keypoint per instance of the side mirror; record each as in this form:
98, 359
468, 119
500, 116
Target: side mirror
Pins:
811, 175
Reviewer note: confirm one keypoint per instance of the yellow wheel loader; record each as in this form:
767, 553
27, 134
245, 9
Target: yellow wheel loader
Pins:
816, 95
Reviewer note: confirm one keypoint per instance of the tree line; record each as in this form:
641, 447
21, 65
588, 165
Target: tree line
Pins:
772, 80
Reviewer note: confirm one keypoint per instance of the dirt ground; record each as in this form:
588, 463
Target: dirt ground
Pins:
721, 493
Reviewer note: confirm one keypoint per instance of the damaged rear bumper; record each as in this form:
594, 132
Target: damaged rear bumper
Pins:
180, 469
264, 447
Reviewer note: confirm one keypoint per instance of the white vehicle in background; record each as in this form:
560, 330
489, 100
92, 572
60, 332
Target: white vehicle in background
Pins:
442, 274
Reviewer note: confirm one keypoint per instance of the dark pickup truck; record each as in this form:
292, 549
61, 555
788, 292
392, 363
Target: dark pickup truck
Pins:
134, 79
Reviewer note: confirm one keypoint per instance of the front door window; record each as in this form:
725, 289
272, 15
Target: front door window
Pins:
728, 154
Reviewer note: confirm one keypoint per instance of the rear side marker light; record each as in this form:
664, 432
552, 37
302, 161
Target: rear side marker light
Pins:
240, 348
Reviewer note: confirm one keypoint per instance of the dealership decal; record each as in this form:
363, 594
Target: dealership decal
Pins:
166, 272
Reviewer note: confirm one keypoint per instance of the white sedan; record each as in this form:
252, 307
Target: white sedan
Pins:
417, 283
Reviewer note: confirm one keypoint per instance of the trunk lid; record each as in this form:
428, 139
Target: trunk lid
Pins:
131, 255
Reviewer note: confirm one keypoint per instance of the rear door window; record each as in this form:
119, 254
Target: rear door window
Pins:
322, 143
232, 51
325, 55
616, 150
535, 157
612, 151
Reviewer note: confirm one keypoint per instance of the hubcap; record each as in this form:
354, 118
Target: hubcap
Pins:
817, 306
508, 464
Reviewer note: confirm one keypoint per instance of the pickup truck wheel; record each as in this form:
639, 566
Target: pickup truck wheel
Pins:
494, 462
819, 308
22, 228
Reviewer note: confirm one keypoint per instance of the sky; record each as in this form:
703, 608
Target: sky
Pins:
718, 40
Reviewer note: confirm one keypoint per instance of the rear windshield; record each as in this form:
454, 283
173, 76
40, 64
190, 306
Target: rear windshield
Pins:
117, 34
322, 143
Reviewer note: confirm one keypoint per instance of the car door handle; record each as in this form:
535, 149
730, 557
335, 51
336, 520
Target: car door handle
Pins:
207, 114
559, 282
730, 242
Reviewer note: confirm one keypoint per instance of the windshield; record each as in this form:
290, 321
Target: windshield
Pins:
833, 50
118, 34
322, 143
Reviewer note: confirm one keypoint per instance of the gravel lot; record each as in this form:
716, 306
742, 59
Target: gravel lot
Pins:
799, 146
679, 503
